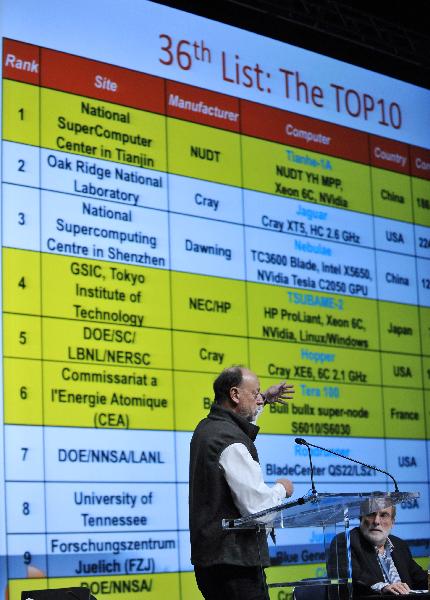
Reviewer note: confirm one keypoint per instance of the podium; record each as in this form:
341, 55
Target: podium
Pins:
332, 514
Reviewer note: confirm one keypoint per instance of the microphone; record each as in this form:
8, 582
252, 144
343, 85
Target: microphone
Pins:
303, 442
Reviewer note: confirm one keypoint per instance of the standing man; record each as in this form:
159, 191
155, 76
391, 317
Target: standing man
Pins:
226, 481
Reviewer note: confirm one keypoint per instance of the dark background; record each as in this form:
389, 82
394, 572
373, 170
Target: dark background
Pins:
390, 37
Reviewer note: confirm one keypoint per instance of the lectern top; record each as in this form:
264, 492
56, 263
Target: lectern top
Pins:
319, 510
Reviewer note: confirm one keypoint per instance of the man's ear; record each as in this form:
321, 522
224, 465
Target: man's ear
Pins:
234, 395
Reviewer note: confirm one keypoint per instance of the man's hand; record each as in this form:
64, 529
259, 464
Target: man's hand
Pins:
398, 589
288, 485
279, 393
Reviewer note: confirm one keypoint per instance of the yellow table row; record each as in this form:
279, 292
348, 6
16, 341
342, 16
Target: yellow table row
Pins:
57, 120
87, 395
129, 296
175, 586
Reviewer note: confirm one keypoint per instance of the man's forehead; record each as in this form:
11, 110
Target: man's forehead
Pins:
375, 505
249, 377
382, 511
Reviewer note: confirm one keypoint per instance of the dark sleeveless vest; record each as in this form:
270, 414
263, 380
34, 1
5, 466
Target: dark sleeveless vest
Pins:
210, 498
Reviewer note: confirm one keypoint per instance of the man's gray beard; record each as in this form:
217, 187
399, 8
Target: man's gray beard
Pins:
376, 538
246, 415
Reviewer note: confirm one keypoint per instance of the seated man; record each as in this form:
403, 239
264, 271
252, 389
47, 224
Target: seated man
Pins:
381, 562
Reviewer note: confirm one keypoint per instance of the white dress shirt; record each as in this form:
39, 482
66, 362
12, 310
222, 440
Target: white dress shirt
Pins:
245, 479
389, 570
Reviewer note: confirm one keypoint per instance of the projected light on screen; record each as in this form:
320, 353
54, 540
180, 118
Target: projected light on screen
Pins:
186, 197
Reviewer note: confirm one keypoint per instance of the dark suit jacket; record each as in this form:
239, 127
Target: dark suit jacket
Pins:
366, 570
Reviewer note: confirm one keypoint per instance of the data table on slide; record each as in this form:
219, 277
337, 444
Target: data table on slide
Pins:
154, 233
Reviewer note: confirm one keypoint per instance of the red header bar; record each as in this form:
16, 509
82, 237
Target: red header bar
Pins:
202, 106
21, 61
420, 162
388, 154
102, 81
303, 132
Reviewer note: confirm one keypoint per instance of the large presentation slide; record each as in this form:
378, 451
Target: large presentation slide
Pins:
179, 196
